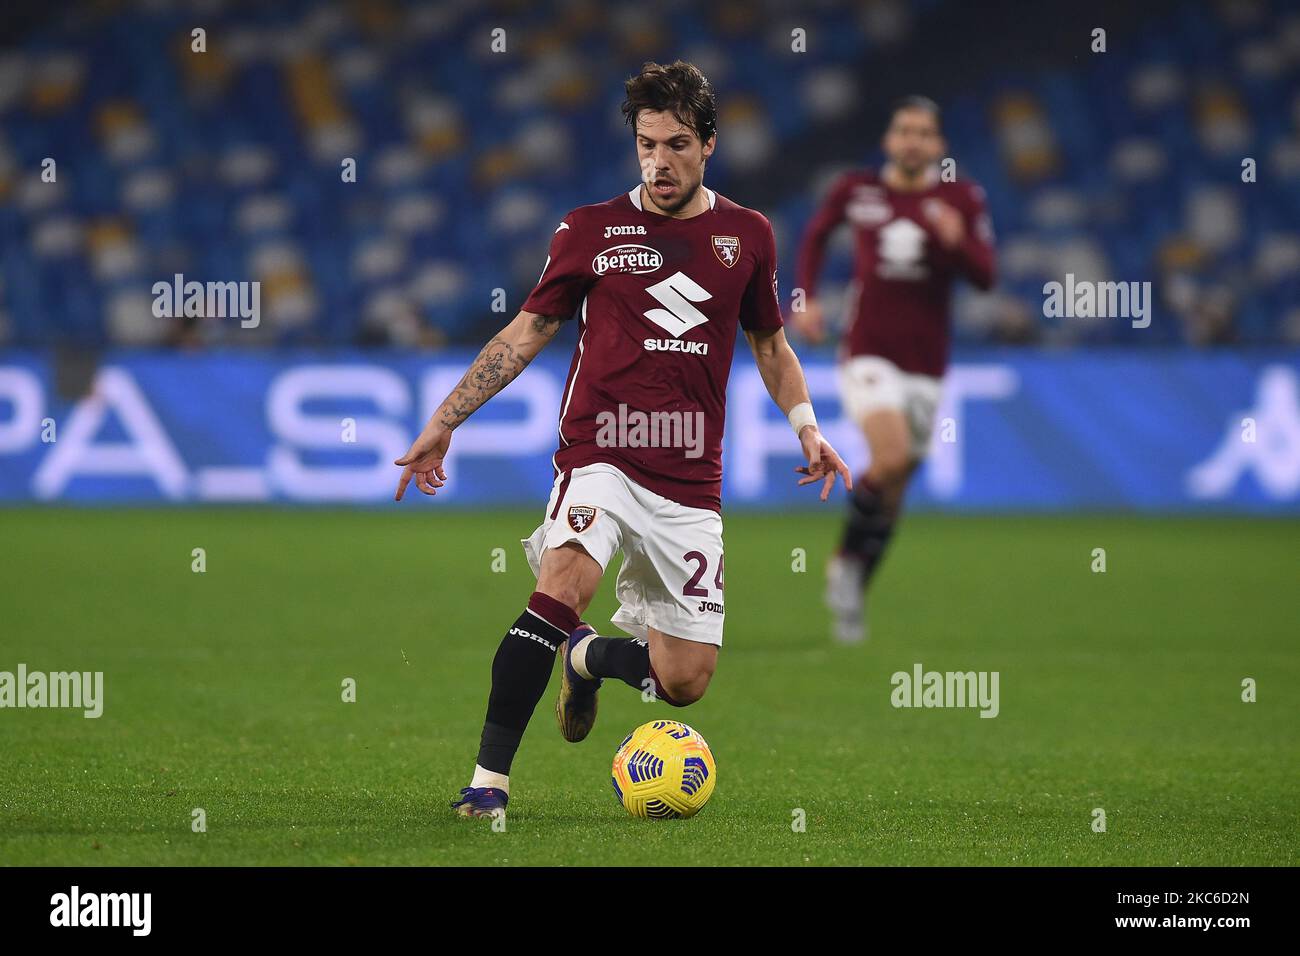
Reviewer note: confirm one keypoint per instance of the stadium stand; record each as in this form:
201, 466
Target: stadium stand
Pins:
226, 164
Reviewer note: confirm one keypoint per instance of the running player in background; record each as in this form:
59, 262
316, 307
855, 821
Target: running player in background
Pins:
915, 232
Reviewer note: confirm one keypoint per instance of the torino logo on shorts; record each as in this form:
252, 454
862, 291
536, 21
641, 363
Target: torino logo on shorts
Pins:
581, 517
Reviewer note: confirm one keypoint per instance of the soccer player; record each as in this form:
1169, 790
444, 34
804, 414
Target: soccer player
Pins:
914, 232
660, 277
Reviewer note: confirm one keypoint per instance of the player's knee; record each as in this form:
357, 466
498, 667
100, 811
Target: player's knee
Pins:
566, 577
686, 687
890, 466
566, 592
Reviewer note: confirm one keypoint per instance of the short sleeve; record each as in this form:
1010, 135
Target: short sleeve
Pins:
761, 309
565, 278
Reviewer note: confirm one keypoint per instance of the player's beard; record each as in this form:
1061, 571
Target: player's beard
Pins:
686, 196
914, 169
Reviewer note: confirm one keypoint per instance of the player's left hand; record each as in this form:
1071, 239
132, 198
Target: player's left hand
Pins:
824, 462
948, 223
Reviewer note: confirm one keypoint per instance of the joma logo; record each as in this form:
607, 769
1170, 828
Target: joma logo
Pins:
520, 632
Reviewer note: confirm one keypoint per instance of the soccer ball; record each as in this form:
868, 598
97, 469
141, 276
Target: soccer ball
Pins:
664, 770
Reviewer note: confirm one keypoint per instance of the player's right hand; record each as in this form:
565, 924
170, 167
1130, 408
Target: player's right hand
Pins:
423, 461
810, 324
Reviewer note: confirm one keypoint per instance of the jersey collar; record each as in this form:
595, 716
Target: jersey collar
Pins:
931, 180
635, 196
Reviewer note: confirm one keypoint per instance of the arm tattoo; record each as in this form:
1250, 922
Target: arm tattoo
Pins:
495, 367
546, 325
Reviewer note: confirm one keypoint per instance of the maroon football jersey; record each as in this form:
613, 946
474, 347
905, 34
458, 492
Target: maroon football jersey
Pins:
659, 301
902, 274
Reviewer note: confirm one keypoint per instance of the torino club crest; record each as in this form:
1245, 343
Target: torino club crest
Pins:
727, 249
581, 517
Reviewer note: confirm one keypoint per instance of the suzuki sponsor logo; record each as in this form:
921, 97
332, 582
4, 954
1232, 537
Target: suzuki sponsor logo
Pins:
677, 294
901, 251
628, 258
676, 345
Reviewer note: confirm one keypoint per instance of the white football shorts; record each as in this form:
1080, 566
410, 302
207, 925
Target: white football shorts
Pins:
671, 577
868, 383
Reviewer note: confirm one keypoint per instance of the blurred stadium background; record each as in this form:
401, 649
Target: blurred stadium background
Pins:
225, 166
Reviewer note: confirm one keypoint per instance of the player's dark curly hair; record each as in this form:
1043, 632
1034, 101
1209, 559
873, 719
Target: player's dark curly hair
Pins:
918, 102
678, 88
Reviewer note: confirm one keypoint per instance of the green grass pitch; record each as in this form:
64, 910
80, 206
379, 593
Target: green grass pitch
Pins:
1119, 690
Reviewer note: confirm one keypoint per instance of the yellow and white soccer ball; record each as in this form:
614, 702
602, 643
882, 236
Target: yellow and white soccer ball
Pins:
664, 770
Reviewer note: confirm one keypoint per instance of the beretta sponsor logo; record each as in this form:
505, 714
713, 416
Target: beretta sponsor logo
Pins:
630, 258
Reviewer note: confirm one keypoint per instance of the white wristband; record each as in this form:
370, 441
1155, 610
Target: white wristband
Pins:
801, 415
